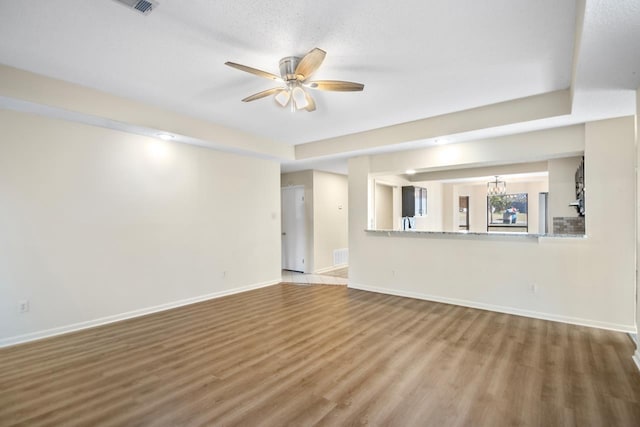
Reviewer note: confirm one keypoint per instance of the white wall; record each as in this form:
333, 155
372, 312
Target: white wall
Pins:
331, 207
637, 354
384, 207
450, 208
98, 224
637, 210
588, 281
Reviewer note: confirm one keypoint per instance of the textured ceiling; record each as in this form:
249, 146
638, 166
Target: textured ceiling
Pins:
416, 58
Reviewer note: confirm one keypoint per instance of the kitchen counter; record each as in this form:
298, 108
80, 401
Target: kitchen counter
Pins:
459, 234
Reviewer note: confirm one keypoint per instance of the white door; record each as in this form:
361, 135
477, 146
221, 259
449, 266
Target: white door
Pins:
293, 229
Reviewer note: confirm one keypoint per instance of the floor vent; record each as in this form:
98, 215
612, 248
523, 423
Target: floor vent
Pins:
341, 256
142, 6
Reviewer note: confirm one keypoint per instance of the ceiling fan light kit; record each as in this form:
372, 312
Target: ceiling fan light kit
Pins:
282, 97
294, 76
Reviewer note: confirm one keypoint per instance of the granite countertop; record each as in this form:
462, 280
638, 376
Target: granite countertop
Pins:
478, 233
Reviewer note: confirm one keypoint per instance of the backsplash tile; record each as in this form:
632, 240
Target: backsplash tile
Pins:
568, 225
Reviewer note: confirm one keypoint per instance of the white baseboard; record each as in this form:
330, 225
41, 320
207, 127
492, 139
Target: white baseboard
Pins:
636, 355
328, 269
499, 308
636, 358
20, 339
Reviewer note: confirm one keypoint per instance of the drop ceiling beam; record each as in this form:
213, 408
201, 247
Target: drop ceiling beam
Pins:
552, 104
37, 89
526, 147
445, 175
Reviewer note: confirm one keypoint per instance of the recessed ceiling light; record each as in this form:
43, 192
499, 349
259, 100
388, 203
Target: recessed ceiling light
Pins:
410, 172
165, 136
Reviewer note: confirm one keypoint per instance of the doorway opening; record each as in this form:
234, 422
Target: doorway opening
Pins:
463, 212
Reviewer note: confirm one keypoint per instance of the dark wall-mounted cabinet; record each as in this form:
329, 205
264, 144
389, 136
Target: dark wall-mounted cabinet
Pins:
414, 201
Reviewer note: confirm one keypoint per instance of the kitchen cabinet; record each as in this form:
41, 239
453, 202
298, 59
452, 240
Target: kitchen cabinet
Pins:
414, 201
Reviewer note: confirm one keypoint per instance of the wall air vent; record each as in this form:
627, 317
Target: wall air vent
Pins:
142, 6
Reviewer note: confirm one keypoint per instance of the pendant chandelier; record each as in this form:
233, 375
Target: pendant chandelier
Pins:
496, 188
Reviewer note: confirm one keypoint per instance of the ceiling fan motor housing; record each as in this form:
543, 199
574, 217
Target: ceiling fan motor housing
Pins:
288, 67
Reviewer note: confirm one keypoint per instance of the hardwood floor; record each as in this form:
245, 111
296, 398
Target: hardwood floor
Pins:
323, 355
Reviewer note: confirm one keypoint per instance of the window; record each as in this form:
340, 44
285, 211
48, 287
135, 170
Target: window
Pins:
421, 201
509, 210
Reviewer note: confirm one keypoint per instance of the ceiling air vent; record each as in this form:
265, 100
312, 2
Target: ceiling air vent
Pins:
143, 6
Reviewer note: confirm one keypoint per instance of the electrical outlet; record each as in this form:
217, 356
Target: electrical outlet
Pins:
224, 274
24, 305
534, 288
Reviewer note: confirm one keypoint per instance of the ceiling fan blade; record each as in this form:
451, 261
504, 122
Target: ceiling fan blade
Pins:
310, 63
255, 71
261, 94
311, 104
335, 85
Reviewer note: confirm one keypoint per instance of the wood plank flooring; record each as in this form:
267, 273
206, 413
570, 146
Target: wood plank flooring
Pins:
327, 356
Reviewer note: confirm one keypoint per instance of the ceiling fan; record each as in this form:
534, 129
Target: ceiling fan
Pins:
294, 76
